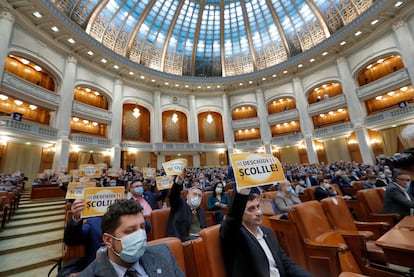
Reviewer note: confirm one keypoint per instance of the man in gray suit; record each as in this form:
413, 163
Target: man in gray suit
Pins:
126, 254
396, 198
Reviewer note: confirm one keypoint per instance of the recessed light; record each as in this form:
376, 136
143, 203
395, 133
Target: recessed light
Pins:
250, 82
103, 60
285, 71
264, 79
33, 107
90, 53
379, 97
186, 86
142, 77
208, 87
88, 90
37, 68
398, 4
71, 40
312, 60
131, 73
198, 86
54, 29
380, 60
116, 66
24, 61
37, 14
240, 84
166, 83
369, 66
18, 102
300, 65
342, 42
324, 53
177, 85
358, 33
153, 80
373, 22
274, 75
218, 86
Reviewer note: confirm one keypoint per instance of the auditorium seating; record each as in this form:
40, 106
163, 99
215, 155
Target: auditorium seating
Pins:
371, 206
176, 247
159, 220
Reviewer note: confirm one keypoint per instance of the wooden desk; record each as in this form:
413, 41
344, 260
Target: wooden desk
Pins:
398, 246
406, 223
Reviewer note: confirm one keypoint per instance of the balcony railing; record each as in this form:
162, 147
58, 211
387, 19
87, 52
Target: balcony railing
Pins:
390, 116
333, 131
245, 123
287, 139
89, 140
332, 103
27, 128
91, 112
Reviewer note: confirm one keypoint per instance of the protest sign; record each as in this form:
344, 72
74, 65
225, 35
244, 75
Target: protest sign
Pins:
148, 172
175, 167
164, 182
97, 200
90, 170
252, 170
75, 189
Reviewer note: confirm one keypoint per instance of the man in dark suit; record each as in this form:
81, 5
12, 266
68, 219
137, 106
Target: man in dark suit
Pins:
186, 218
126, 254
324, 190
396, 198
249, 249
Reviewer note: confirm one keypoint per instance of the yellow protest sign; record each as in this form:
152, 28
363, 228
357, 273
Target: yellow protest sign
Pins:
63, 178
97, 200
90, 170
114, 172
175, 167
75, 189
148, 172
164, 182
252, 170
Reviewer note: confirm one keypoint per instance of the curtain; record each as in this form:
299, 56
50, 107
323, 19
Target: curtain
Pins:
24, 157
405, 142
83, 158
97, 158
390, 140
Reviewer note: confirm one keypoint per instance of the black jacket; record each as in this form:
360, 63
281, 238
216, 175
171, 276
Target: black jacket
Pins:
243, 255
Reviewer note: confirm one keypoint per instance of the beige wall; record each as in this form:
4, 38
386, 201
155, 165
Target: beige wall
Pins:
212, 158
337, 150
142, 159
289, 155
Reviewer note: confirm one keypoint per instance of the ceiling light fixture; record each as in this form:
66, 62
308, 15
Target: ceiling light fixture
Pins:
3, 97
33, 107
18, 102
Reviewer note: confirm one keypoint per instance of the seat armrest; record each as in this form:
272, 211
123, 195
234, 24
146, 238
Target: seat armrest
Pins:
365, 235
377, 228
340, 248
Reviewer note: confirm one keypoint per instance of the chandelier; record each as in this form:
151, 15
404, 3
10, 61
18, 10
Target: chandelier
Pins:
135, 112
209, 118
174, 118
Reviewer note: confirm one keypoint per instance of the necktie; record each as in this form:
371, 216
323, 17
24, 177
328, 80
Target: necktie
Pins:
131, 272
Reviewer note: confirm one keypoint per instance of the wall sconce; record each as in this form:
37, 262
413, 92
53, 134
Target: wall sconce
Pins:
174, 118
135, 112
209, 118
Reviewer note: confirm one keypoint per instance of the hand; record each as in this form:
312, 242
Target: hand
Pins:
244, 191
179, 180
76, 208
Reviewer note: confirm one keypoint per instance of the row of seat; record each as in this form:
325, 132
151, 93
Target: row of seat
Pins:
9, 202
324, 238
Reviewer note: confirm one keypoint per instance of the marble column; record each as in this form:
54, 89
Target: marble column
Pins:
193, 121
6, 23
405, 42
64, 114
305, 120
156, 127
356, 110
116, 124
227, 128
264, 124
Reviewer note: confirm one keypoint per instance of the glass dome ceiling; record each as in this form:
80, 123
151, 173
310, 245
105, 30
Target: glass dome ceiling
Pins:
211, 38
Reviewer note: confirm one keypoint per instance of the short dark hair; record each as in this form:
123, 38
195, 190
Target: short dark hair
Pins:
110, 221
251, 197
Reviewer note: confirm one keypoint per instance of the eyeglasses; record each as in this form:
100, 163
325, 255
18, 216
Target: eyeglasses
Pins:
403, 179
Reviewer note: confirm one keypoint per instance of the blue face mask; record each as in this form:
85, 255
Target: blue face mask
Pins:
139, 190
133, 246
290, 190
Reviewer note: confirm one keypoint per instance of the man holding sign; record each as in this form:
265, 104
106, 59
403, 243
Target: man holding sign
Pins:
249, 249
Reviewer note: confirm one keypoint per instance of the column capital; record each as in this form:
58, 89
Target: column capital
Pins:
5, 11
398, 25
71, 59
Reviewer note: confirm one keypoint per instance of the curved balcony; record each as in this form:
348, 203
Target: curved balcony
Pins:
94, 141
391, 116
284, 116
29, 91
287, 139
245, 123
390, 82
92, 113
326, 105
26, 129
333, 131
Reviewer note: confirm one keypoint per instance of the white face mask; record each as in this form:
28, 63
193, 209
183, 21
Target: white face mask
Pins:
327, 186
219, 190
133, 246
195, 202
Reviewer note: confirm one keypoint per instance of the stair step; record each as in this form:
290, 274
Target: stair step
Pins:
30, 242
32, 204
39, 271
37, 209
35, 229
25, 260
35, 221
18, 217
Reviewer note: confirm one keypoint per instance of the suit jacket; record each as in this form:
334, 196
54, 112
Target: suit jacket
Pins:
153, 198
395, 201
179, 221
88, 233
321, 193
243, 255
158, 261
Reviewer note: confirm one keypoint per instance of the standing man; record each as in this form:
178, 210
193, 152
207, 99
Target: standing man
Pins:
186, 217
126, 254
249, 249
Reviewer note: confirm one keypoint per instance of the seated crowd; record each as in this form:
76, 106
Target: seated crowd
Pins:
188, 206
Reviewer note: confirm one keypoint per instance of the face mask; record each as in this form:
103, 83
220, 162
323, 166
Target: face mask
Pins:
112, 184
326, 186
133, 246
139, 190
301, 182
195, 202
382, 176
290, 190
219, 190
